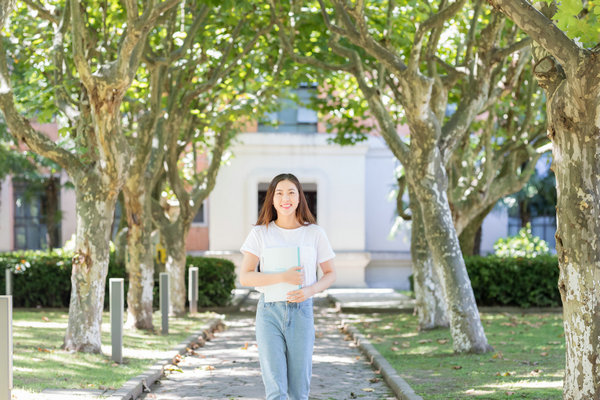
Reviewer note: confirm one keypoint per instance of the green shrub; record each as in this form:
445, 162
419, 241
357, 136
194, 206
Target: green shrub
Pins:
44, 279
523, 244
39, 278
216, 280
514, 281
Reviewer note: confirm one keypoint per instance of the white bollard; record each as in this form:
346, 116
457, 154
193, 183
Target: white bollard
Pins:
8, 282
164, 302
116, 318
6, 348
193, 289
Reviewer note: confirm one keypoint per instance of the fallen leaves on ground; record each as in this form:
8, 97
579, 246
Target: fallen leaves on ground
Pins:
45, 319
374, 380
245, 346
536, 372
456, 367
442, 341
44, 350
507, 373
173, 368
368, 390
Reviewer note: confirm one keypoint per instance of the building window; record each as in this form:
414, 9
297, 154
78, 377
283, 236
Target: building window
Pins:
30, 228
292, 117
200, 218
310, 192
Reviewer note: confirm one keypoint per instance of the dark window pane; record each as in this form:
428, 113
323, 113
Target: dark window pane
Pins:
199, 218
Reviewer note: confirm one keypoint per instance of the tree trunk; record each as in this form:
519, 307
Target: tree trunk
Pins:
574, 124
524, 213
428, 178
90, 265
431, 306
139, 262
52, 215
470, 237
175, 235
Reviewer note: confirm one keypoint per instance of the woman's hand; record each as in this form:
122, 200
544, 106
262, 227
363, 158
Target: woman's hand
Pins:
300, 295
294, 275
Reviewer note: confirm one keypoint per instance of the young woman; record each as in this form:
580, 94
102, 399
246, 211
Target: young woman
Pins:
285, 331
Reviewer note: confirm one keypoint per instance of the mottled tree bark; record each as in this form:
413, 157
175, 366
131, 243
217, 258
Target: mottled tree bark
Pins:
140, 257
90, 265
431, 305
571, 77
99, 171
427, 177
175, 236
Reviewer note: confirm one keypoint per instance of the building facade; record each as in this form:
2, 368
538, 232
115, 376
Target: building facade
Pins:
348, 189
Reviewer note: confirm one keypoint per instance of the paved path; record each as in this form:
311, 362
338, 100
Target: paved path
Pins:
227, 366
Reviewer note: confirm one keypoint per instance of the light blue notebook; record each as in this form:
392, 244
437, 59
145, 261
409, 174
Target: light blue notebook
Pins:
279, 259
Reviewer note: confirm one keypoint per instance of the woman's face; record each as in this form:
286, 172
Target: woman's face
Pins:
286, 198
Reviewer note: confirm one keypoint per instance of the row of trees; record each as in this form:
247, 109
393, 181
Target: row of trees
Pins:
133, 88
137, 86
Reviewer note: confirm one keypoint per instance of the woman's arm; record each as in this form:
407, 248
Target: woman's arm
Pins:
326, 280
250, 277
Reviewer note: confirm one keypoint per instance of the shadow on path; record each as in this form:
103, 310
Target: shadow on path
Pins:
227, 366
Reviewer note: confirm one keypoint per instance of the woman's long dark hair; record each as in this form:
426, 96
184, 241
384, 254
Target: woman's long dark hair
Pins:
268, 213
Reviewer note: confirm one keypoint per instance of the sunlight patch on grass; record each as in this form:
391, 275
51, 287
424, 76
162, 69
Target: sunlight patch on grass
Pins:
528, 384
40, 363
528, 356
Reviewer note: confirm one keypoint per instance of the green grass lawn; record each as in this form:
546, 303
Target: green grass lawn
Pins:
527, 361
39, 362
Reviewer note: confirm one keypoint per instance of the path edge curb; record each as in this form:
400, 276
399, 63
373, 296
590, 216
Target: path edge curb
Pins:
399, 386
135, 386
341, 308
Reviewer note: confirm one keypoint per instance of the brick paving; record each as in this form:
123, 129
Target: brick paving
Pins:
227, 366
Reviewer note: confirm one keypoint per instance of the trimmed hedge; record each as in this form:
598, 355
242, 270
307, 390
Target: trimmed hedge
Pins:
520, 282
44, 279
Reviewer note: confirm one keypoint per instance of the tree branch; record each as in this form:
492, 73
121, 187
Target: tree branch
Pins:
363, 38
222, 70
503, 53
80, 38
435, 21
542, 30
131, 47
376, 107
21, 129
42, 12
210, 177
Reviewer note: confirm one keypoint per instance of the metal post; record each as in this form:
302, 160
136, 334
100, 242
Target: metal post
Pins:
193, 289
6, 348
164, 301
8, 281
116, 318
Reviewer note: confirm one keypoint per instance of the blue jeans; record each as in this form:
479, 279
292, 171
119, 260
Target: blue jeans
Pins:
285, 334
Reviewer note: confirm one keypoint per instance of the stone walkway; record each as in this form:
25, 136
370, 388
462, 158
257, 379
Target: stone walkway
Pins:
227, 366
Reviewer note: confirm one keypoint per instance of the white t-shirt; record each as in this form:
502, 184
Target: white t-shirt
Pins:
311, 239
